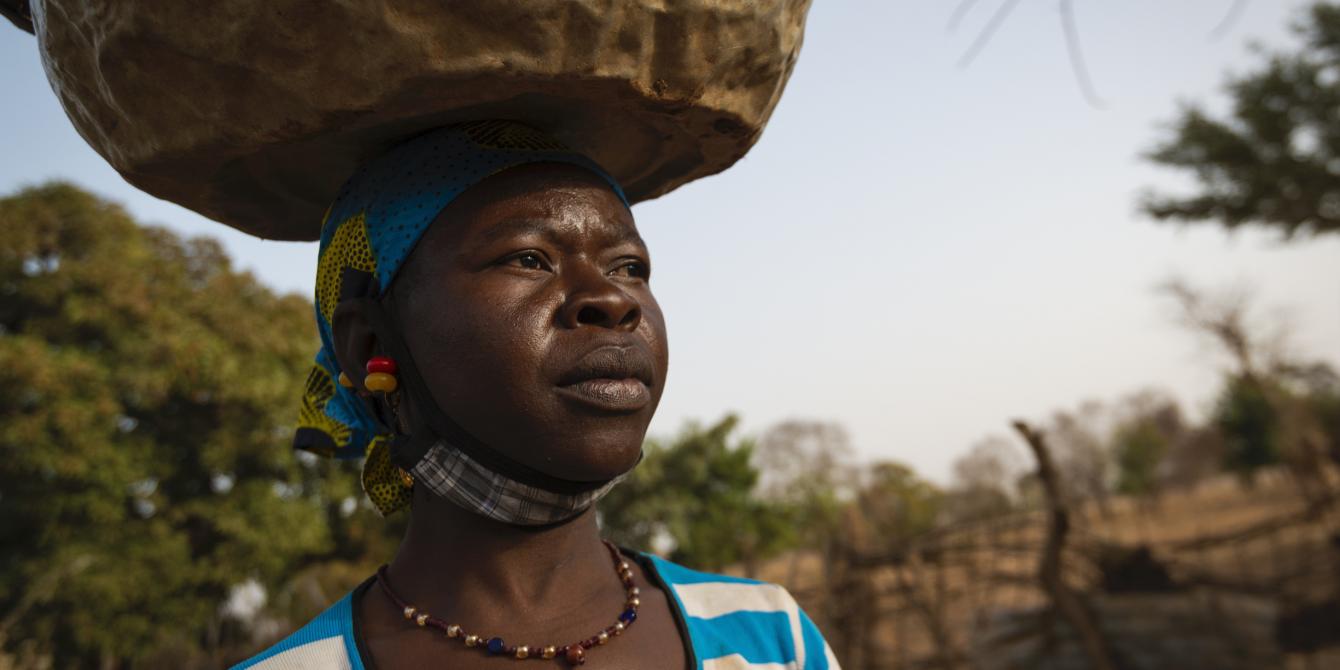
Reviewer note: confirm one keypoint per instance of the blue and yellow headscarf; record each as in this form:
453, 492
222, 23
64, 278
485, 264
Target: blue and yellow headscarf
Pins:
373, 225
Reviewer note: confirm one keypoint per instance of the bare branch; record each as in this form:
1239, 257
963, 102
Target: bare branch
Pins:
1065, 601
1223, 319
960, 12
1072, 44
1230, 19
1003, 12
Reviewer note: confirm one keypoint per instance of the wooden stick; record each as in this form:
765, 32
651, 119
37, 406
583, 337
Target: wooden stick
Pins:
1064, 600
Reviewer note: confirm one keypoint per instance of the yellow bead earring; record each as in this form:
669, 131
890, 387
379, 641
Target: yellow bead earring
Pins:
381, 375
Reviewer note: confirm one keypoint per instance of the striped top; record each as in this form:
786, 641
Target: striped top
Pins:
728, 623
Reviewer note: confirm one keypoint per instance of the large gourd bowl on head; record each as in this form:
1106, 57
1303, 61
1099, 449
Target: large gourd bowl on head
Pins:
255, 112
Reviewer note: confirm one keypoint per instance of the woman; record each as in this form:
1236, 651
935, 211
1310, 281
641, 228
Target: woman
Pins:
491, 341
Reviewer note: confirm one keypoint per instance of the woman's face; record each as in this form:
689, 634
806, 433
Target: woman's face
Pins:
527, 308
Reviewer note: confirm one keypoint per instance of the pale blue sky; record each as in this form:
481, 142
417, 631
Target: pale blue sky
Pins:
917, 251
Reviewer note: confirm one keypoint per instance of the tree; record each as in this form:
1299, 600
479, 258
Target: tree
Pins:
696, 492
1275, 161
1082, 451
804, 458
1152, 425
1250, 424
145, 465
984, 481
807, 467
1222, 318
1265, 412
897, 504
1321, 386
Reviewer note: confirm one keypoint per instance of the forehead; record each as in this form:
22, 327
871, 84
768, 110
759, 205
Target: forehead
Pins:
556, 200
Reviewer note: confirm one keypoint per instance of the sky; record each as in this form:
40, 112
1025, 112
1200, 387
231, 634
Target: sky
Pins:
915, 250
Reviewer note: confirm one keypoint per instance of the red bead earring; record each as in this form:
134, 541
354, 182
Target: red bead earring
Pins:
381, 375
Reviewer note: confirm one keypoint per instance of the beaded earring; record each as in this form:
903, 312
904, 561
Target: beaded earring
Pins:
381, 379
381, 375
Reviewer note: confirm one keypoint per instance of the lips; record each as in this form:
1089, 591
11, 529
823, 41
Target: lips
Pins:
609, 362
610, 378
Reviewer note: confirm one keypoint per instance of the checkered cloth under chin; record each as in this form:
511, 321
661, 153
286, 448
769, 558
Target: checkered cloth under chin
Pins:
449, 473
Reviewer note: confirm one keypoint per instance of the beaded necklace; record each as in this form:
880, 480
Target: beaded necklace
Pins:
574, 654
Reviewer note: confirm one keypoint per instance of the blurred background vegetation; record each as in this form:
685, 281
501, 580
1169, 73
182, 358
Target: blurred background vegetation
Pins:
152, 514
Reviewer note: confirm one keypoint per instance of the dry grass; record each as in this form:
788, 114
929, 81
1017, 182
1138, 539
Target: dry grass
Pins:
961, 597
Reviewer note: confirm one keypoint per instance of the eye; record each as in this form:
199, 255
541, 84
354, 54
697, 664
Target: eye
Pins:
635, 269
528, 260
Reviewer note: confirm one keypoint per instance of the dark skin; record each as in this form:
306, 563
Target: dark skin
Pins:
527, 309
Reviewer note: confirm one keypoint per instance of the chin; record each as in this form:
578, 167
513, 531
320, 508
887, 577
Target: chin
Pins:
561, 436
593, 449
609, 456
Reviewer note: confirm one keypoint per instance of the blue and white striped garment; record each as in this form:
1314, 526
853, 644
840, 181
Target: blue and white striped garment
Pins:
731, 623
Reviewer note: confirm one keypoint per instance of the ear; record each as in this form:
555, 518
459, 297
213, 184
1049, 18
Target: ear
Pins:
354, 340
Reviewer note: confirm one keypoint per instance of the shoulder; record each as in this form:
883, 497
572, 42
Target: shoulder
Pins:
737, 624
325, 643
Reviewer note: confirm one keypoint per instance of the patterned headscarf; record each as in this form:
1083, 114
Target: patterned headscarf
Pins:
373, 225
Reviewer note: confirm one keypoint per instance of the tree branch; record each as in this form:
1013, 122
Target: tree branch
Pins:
960, 12
1003, 12
1072, 44
1064, 601
1230, 19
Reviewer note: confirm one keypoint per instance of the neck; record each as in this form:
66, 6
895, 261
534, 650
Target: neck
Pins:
453, 560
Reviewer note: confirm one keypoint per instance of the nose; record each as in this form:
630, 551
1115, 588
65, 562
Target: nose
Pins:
600, 303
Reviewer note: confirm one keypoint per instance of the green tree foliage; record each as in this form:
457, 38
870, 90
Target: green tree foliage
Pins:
897, 503
1139, 447
145, 469
1275, 160
1250, 424
1275, 404
696, 491
1143, 439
